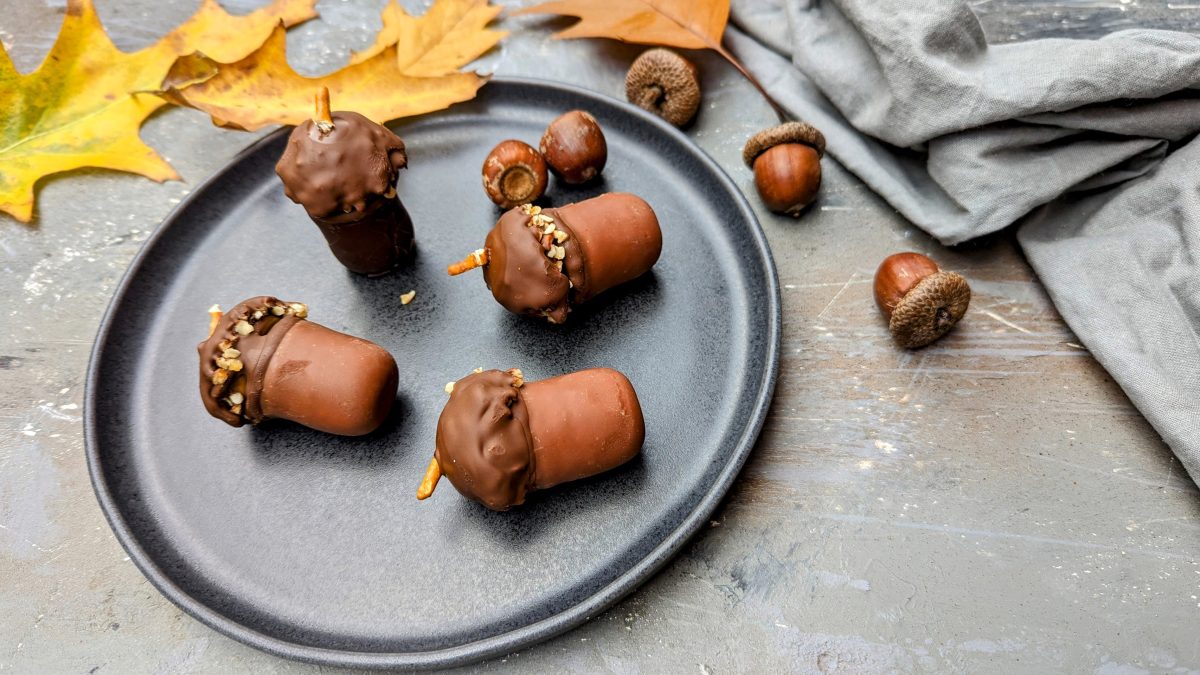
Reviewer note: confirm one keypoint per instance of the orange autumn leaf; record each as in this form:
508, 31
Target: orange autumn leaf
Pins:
82, 106
262, 89
684, 24
446, 37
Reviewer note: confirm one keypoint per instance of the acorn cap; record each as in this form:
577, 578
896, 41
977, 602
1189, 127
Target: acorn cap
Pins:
788, 132
930, 309
664, 83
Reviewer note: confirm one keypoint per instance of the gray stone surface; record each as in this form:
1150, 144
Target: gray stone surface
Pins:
992, 503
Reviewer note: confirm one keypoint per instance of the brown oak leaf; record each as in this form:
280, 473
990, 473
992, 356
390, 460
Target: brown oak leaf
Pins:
684, 24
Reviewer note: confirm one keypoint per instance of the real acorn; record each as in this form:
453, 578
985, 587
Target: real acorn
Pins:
786, 160
574, 147
514, 174
921, 302
664, 83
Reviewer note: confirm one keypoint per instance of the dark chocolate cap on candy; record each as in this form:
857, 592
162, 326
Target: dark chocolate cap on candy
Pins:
342, 170
345, 178
520, 275
265, 361
499, 438
541, 261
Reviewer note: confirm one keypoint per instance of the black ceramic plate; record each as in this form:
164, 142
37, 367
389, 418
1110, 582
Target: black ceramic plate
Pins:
313, 546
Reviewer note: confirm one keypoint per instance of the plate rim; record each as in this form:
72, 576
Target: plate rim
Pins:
518, 638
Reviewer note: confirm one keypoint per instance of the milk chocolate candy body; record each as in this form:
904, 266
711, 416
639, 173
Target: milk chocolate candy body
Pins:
498, 438
265, 361
345, 179
542, 261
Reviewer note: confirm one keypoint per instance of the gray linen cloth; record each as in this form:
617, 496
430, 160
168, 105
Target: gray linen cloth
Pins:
1089, 145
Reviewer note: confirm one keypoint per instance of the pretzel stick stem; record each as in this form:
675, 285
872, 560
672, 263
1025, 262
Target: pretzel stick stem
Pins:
432, 475
476, 258
214, 318
323, 118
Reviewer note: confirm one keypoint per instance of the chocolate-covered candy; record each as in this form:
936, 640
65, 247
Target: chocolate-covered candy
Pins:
499, 437
264, 360
539, 262
343, 172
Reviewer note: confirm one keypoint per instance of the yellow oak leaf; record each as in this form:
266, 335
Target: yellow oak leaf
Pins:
448, 36
262, 89
83, 106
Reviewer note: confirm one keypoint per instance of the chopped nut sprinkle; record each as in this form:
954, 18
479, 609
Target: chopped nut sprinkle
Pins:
228, 361
406, 298
550, 235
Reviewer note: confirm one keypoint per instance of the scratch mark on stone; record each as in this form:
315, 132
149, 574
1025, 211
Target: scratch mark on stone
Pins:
1003, 320
1079, 467
988, 534
838, 294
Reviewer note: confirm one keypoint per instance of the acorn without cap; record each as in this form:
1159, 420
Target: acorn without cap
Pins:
921, 302
787, 165
574, 147
513, 174
664, 83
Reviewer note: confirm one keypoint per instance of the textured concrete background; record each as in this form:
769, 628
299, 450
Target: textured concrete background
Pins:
992, 503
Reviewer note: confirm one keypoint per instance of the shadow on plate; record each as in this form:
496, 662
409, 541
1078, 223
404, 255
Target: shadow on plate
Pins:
521, 526
612, 318
283, 442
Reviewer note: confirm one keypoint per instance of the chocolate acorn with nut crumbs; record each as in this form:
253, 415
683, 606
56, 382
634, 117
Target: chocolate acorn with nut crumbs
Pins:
787, 165
500, 438
664, 83
263, 360
539, 262
921, 302
342, 168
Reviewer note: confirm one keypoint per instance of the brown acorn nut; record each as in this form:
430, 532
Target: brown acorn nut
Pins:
664, 83
514, 174
921, 302
574, 147
787, 165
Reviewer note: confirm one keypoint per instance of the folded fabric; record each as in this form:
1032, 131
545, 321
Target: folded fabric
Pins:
1088, 144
